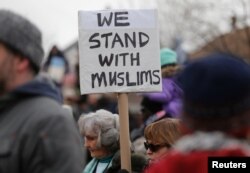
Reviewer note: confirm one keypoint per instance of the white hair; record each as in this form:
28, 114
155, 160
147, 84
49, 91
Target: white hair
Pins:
104, 125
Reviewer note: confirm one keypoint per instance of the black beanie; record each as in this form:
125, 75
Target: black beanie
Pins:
151, 105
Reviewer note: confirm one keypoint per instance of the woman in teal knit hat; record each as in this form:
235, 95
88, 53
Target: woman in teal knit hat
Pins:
171, 93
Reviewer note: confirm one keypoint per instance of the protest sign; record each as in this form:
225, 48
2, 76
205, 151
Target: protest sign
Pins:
119, 51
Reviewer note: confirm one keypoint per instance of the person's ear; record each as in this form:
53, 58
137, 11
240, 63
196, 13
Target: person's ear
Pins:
21, 63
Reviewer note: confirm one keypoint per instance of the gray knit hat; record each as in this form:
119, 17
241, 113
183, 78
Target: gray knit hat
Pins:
21, 35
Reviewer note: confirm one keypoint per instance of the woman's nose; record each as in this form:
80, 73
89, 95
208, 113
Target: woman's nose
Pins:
86, 143
149, 152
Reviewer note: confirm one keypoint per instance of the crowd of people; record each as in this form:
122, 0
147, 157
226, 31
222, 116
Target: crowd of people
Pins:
202, 111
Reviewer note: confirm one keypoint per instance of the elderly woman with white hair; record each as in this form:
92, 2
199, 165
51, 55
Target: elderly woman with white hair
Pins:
100, 130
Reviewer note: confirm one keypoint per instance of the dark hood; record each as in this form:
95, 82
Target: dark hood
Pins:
42, 85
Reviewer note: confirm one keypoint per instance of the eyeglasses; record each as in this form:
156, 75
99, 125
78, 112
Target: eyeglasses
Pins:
152, 147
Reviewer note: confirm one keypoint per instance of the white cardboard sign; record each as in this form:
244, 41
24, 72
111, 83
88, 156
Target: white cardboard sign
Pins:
119, 51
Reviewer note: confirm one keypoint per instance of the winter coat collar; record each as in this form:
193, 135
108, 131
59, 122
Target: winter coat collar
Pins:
42, 85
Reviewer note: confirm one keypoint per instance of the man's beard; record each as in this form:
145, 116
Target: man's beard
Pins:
2, 87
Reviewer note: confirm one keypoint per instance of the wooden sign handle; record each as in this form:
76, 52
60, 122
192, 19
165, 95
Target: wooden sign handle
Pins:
124, 132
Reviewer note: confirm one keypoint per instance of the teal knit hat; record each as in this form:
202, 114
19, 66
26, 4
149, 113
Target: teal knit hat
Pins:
168, 56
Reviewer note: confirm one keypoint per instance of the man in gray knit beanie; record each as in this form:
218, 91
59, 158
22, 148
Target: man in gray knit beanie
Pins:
21, 35
37, 134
